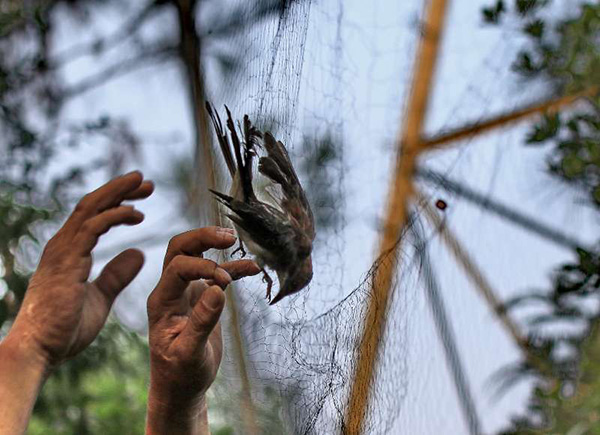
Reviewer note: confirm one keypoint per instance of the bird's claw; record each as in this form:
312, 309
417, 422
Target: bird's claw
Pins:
267, 279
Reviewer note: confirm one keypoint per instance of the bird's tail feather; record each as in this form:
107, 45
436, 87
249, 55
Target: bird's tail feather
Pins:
221, 197
244, 162
221, 138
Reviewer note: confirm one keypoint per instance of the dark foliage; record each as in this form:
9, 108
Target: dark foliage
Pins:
563, 52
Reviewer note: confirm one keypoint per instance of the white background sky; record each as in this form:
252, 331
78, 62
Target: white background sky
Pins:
370, 73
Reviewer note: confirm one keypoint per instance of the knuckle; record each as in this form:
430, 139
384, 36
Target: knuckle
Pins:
209, 232
177, 263
87, 227
83, 203
210, 264
198, 320
174, 243
206, 230
55, 245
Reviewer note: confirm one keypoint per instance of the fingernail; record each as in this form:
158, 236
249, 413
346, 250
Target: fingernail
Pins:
211, 298
222, 276
227, 233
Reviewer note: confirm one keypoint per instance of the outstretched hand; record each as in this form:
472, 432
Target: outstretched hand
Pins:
185, 337
62, 311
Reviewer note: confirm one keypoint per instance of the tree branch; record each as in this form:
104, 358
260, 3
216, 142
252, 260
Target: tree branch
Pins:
157, 55
476, 128
104, 44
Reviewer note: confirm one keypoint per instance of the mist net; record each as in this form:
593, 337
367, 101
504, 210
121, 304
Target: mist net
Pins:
330, 79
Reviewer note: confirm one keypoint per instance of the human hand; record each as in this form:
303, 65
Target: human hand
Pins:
63, 312
185, 337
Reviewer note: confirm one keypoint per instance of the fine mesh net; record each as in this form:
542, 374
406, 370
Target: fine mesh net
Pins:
330, 79
314, 73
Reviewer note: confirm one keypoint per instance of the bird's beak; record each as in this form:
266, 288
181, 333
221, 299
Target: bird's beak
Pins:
295, 282
279, 296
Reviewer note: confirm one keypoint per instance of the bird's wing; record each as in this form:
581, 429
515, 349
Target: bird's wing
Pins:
278, 167
266, 225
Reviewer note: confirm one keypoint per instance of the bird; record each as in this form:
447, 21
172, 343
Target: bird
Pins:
278, 229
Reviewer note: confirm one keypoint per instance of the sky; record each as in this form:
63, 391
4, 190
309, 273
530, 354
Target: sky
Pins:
353, 77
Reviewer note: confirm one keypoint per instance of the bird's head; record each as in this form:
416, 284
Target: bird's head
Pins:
297, 278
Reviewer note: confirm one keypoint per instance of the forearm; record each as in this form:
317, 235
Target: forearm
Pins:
22, 374
175, 417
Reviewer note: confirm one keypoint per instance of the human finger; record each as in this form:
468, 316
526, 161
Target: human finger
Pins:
143, 191
178, 274
197, 241
241, 268
118, 273
91, 230
236, 269
109, 195
202, 320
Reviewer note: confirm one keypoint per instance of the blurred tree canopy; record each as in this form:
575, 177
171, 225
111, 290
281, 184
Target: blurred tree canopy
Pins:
33, 137
102, 391
565, 54
109, 379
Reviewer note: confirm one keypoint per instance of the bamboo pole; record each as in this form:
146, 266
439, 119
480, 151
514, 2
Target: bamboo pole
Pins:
400, 191
480, 127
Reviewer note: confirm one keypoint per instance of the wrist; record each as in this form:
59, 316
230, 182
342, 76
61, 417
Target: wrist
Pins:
172, 415
22, 374
175, 409
165, 395
176, 385
20, 351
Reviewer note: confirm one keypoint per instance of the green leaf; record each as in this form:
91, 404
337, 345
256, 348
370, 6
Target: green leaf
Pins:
596, 194
547, 129
526, 7
526, 65
572, 166
492, 14
535, 28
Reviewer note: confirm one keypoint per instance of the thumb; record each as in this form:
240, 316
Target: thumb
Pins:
119, 272
204, 317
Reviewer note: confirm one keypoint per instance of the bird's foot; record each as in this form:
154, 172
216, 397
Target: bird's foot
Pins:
239, 249
269, 281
